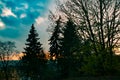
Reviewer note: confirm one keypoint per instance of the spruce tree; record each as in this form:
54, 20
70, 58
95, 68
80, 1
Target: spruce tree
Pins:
33, 59
55, 40
71, 40
33, 46
70, 44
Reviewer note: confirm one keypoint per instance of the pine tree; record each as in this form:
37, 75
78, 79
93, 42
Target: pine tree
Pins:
71, 39
33, 59
55, 40
70, 44
33, 46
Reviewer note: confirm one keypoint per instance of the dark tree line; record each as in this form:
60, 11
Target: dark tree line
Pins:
81, 46
98, 30
89, 37
66, 44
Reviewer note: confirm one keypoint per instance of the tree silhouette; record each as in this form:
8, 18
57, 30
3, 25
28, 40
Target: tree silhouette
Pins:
33, 59
96, 22
6, 51
99, 23
55, 40
70, 45
71, 39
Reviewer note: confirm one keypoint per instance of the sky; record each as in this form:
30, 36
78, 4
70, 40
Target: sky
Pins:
17, 16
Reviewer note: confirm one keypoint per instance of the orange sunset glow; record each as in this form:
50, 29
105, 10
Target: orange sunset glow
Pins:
59, 39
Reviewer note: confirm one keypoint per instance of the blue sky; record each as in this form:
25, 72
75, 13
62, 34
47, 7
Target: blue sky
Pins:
16, 17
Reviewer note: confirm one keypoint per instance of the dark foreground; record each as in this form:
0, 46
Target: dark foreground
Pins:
95, 78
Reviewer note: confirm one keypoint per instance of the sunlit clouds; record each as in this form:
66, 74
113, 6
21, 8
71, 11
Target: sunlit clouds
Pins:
7, 12
2, 25
40, 20
17, 16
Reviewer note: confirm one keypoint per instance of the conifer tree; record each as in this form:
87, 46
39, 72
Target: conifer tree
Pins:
33, 59
70, 44
33, 46
71, 39
55, 40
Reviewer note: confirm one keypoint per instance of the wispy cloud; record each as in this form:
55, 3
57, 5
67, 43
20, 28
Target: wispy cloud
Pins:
7, 12
23, 15
16, 17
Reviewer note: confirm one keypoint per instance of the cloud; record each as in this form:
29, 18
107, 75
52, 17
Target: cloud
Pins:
40, 20
2, 25
23, 15
7, 12
11, 22
22, 6
17, 17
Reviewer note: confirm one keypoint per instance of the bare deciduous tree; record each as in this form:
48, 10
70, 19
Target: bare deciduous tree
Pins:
6, 50
98, 20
